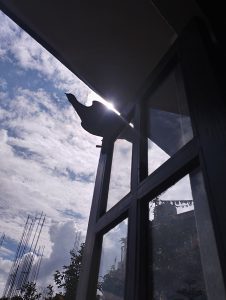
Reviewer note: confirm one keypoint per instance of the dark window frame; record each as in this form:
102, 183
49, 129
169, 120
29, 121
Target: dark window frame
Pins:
193, 51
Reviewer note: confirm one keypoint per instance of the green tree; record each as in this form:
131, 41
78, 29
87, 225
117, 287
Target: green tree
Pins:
113, 281
49, 292
67, 279
29, 291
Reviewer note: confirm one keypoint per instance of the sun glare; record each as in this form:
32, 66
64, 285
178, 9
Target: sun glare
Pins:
109, 105
94, 97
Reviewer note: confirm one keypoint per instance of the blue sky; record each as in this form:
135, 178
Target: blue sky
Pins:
47, 161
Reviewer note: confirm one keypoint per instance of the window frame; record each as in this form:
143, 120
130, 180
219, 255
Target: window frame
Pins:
193, 51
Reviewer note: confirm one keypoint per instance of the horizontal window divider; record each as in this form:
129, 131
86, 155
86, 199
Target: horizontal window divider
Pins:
115, 215
181, 163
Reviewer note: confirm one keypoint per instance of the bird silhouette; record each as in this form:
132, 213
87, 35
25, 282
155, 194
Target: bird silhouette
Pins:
98, 120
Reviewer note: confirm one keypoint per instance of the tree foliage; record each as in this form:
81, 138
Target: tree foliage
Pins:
49, 292
68, 278
113, 281
29, 291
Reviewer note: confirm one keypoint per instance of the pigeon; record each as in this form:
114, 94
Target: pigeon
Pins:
98, 120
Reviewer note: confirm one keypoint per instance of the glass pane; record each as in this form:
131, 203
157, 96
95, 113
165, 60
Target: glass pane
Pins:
175, 269
111, 281
169, 125
120, 172
209, 253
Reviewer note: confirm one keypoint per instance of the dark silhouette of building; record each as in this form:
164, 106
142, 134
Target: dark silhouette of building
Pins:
175, 254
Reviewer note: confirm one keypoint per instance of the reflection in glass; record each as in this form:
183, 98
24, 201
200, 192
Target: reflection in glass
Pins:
111, 279
169, 125
120, 172
175, 268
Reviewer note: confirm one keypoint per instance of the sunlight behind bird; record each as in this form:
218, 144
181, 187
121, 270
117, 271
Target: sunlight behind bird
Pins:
94, 97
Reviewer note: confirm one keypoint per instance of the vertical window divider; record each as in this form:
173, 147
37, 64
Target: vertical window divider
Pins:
92, 251
136, 283
102, 204
136, 275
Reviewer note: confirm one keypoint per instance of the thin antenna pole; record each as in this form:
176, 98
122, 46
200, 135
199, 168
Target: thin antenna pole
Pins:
32, 250
32, 274
39, 264
13, 268
24, 256
2, 240
28, 258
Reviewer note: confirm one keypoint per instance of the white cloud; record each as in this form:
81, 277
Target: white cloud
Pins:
62, 237
39, 176
28, 54
179, 191
47, 161
6, 252
5, 266
7, 33
56, 146
156, 156
3, 84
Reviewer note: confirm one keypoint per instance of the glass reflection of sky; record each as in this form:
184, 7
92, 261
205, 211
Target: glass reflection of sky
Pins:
113, 261
178, 192
168, 121
175, 267
167, 133
120, 173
